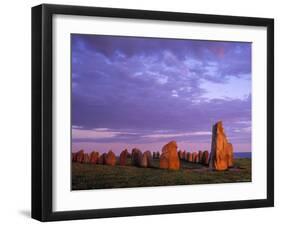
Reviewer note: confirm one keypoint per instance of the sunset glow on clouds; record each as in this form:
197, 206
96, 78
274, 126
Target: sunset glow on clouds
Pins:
144, 92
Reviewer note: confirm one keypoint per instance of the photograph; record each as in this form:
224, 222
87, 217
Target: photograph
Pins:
149, 111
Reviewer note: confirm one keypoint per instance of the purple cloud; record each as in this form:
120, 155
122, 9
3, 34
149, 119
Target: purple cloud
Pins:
148, 90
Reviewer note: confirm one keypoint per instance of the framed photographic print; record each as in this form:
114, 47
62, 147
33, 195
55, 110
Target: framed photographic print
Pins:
145, 112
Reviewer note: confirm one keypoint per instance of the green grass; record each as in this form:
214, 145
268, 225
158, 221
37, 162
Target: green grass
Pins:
89, 176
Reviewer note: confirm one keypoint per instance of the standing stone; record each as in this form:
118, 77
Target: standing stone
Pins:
73, 157
197, 158
188, 157
220, 156
136, 157
180, 154
80, 156
123, 157
146, 160
169, 158
194, 156
158, 155
101, 160
230, 155
94, 157
183, 155
200, 156
205, 158
86, 158
110, 158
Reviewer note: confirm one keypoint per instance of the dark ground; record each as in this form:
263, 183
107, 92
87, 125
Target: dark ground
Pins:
90, 176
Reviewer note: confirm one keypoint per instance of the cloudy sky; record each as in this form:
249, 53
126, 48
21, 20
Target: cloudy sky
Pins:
144, 92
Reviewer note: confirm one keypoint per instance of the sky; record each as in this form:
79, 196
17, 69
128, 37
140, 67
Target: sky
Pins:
144, 92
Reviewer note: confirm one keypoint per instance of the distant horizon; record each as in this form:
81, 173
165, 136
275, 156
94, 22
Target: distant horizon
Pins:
144, 92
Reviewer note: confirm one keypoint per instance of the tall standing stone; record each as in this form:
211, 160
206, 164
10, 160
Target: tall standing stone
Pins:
180, 154
101, 160
110, 158
200, 156
94, 157
146, 160
205, 158
123, 157
184, 155
157, 155
189, 157
169, 158
194, 156
136, 157
220, 156
230, 155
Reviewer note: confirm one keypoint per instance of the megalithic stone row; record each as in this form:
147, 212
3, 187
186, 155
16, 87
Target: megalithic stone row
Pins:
169, 158
221, 156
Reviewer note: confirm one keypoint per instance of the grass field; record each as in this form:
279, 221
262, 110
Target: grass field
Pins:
90, 176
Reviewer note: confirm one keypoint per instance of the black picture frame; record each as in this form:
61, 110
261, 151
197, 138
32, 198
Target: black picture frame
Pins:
42, 111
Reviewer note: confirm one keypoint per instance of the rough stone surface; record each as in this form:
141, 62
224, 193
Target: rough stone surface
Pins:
157, 154
94, 157
80, 156
110, 158
86, 158
102, 159
146, 160
180, 154
189, 157
123, 157
220, 156
205, 158
183, 155
194, 156
136, 157
200, 155
73, 157
169, 158
230, 155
